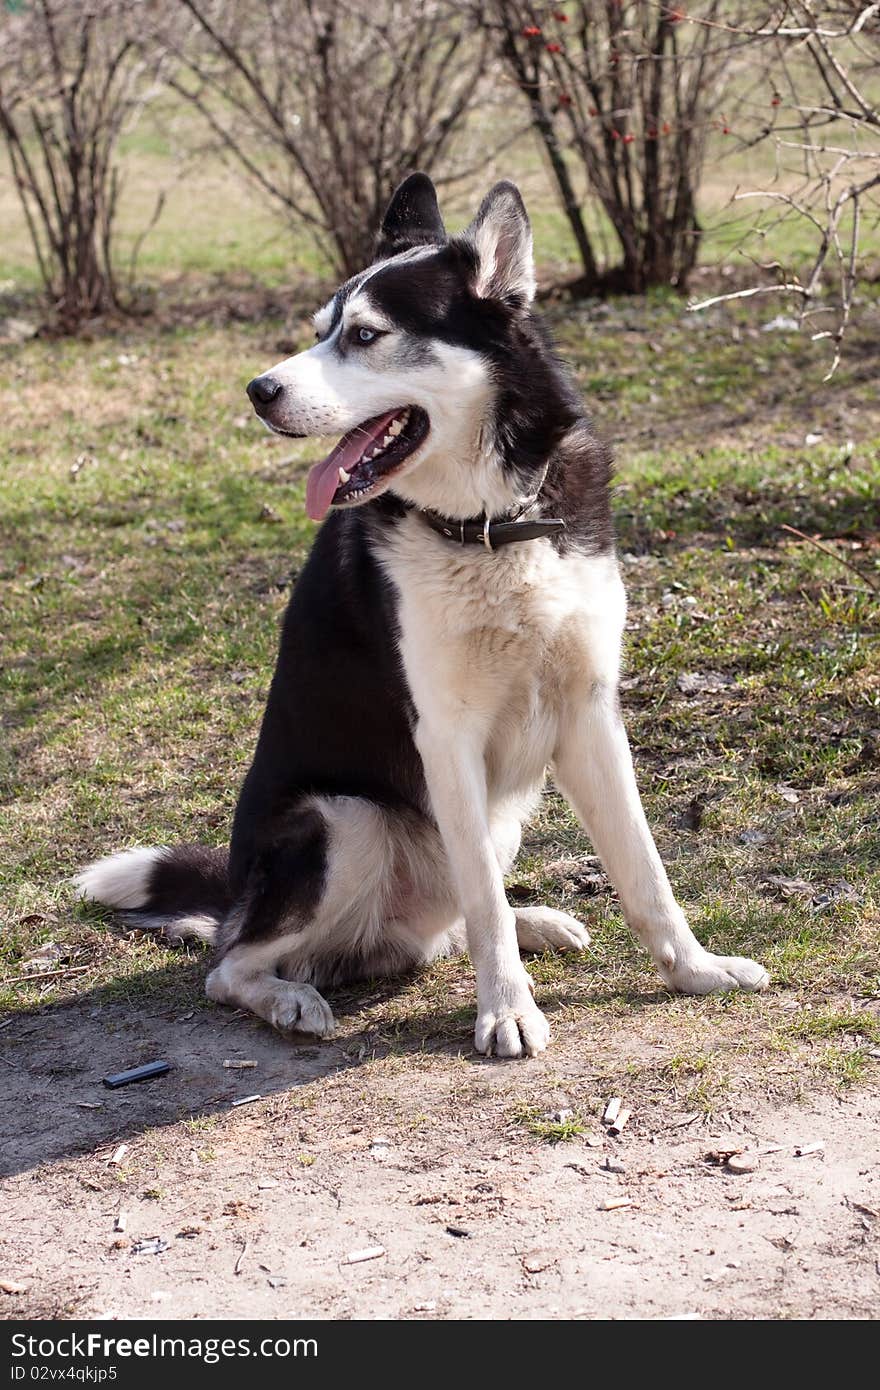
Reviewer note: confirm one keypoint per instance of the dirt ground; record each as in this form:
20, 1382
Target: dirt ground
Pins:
260, 1206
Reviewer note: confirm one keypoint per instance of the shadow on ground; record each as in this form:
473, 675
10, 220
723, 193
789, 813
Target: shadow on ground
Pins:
53, 1060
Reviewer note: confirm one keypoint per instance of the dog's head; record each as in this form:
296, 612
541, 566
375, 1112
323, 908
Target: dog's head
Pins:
430, 365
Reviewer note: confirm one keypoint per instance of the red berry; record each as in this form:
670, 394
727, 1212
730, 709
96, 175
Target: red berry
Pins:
628, 139
553, 47
726, 130
652, 132
531, 31
777, 101
564, 99
615, 135
593, 111
666, 127
560, 16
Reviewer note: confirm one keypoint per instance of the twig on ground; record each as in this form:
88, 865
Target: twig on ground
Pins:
826, 550
39, 975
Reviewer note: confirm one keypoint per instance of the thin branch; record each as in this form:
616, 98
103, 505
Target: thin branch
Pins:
811, 540
792, 288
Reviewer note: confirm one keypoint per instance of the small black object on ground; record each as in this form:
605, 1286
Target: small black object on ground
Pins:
144, 1073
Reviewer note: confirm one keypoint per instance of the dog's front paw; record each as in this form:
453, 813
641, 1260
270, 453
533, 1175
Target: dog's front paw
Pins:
511, 1029
705, 973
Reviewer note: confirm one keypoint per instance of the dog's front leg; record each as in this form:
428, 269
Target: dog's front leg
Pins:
594, 769
509, 1022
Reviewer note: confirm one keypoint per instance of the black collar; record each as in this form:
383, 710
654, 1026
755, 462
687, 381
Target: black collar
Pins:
492, 534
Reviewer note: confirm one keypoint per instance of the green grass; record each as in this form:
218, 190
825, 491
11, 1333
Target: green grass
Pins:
830, 1023
549, 1130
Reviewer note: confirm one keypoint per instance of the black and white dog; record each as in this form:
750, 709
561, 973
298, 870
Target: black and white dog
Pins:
455, 631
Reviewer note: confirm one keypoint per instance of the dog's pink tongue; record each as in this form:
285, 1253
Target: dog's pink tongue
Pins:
323, 479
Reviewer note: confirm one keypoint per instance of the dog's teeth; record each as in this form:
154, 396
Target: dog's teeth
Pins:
343, 476
394, 428
389, 439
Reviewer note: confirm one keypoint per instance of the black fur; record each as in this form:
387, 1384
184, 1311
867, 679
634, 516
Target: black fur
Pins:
190, 878
339, 717
412, 218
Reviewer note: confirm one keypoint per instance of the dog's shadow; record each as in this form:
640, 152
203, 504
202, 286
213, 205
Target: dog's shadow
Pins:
53, 1060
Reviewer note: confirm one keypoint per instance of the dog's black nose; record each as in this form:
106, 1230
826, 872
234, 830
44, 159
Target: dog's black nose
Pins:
263, 390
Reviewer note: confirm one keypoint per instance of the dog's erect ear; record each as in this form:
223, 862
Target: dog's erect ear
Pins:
502, 237
412, 218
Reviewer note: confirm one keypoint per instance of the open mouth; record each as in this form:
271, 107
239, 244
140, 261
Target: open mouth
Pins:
364, 459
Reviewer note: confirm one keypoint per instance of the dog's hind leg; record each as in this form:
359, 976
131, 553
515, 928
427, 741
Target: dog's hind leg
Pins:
546, 929
247, 978
282, 890
537, 928
347, 890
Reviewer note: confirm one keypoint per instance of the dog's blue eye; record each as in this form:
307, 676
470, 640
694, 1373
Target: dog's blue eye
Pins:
366, 335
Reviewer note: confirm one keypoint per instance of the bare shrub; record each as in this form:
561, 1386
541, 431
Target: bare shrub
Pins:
327, 104
816, 88
625, 91
72, 75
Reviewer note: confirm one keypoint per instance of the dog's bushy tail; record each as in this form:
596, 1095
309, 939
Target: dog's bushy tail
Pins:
182, 892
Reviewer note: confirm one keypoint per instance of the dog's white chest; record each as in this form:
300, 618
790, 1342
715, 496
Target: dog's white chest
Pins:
497, 644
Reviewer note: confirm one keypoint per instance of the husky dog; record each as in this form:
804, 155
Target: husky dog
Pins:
455, 632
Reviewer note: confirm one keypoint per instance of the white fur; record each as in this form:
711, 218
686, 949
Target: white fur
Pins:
546, 929
362, 912
489, 644
246, 978
594, 770
190, 926
120, 880
503, 239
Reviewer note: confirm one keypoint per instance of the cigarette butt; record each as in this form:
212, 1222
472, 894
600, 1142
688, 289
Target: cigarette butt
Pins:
613, 1203
118, 1155
372, 1252
121, 1221
618, 1125
246, 1100
611, 1110
231, 1064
